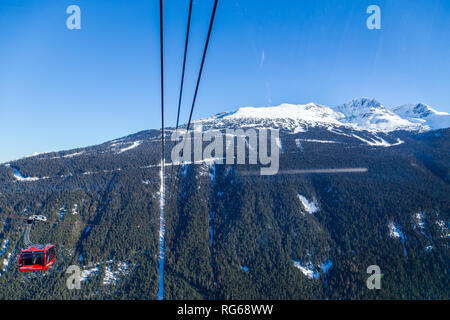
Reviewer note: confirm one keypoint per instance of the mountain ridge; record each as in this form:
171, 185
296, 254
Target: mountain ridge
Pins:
360, 114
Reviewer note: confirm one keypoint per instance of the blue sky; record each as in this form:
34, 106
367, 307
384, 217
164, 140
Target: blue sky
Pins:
61, 89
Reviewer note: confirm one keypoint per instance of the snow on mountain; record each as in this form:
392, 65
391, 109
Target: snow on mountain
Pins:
296, 118
310, 206
310, 112
18, 176
361, 114
371, 115
423, 114
308, 270
358, 114
135, 144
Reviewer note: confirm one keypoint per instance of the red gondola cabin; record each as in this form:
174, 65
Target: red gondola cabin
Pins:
37, 258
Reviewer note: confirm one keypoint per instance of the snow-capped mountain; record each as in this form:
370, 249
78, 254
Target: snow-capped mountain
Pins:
358, 114
290, 117
310, 112
423, 114
363, 121
371, 115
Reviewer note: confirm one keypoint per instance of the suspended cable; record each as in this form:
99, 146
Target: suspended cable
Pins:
161, 28
184, 63
160, 294
26, 236
92, 225
205, 50
186, 44
202, 64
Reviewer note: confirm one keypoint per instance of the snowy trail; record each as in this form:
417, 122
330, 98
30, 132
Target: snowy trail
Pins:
162, 231
19, 177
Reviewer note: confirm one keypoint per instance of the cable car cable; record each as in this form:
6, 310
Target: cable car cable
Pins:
186, 44
92, 225
161, 28
26, 236
205, 50
184, 63
202, 64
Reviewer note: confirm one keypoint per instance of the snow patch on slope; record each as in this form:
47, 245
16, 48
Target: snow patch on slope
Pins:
75, 154
396, 232
135, 144
420, 224
378, 143
4, 247
310, 206
111, 277
19, 177
316, 141
307, 269
312, 272
443, 228
6, 261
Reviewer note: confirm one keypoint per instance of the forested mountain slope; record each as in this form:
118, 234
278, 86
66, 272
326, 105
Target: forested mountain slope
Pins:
231, 235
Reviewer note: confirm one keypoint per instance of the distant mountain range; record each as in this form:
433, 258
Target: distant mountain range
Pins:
358, 114
364, 120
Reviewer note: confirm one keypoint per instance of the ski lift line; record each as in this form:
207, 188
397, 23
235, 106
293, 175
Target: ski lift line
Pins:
161, 240
161, 28
202, 64
184, 62
26, 236
186, 44
205, 50
73, 223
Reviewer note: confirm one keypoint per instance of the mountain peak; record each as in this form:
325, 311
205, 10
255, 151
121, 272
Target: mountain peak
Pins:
423, 114
420, 110
359, 114
310, 112
369, 114
360, 106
